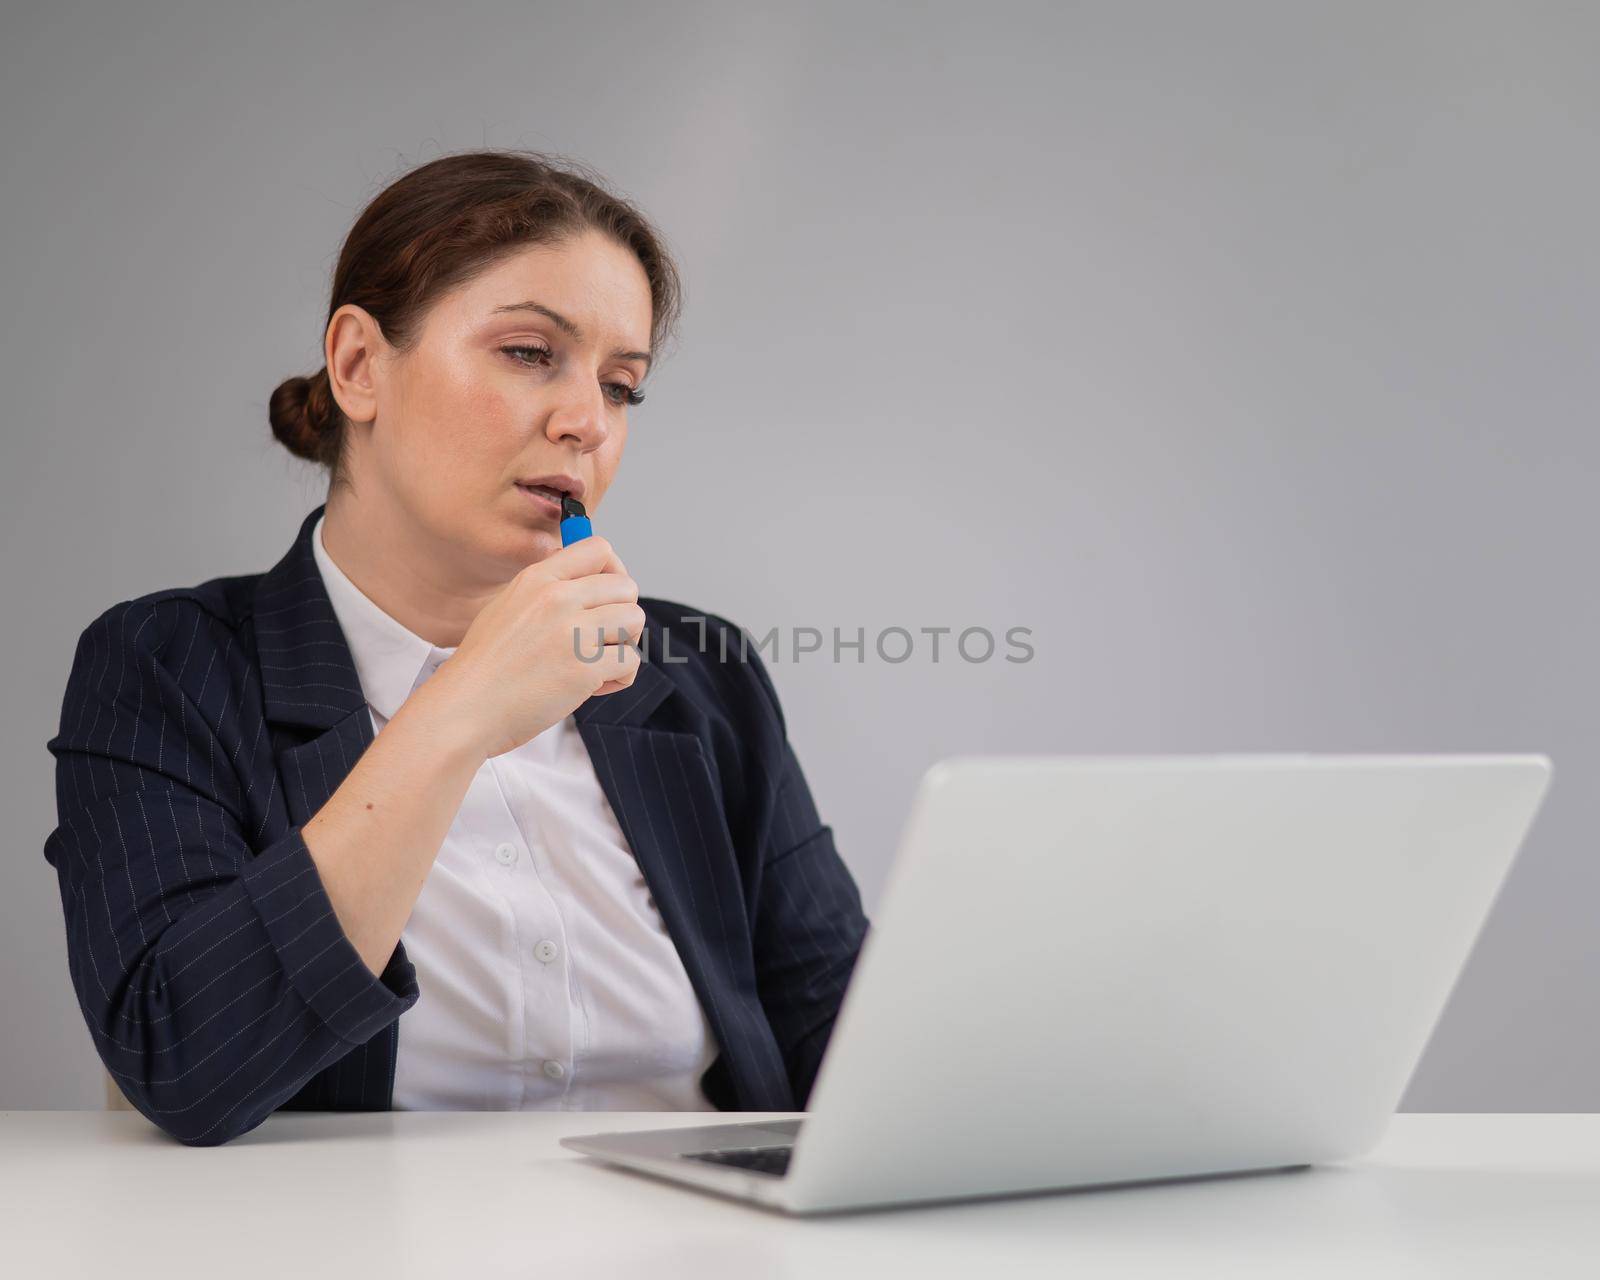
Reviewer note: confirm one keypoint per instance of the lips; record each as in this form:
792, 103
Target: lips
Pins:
556, 486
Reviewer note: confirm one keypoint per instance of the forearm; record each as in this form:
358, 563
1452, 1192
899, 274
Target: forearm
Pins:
375, 839
214, 970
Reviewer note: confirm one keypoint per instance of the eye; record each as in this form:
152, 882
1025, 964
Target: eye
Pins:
520, 354
619, 393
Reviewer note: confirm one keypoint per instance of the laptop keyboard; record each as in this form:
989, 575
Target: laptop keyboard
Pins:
770, 1160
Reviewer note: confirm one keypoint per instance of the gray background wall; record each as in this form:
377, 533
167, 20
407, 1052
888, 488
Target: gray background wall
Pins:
1245, 352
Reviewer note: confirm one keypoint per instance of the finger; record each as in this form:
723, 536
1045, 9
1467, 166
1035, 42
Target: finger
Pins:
602, 589
625, 616
584, 557
611, 624
630, 671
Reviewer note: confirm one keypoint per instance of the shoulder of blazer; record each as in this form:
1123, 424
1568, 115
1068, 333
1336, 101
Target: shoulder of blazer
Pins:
724, 697
714, 662
184, 631
226, 602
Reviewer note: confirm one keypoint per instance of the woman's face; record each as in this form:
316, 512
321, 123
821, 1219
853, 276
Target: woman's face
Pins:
521, 373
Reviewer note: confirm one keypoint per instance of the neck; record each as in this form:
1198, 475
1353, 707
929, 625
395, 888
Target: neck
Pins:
428, 585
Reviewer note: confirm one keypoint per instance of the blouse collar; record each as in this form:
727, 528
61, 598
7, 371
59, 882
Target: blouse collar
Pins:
391, 660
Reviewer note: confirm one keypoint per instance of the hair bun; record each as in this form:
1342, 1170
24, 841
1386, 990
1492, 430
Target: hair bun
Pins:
301, 413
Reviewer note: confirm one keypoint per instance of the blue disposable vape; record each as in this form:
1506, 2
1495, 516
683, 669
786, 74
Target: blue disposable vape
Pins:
574, 521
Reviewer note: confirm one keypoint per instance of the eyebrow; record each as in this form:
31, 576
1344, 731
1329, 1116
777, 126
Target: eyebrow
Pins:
571, 330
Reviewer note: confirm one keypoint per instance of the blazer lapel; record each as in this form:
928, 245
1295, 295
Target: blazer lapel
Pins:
308, 678
661, 789
307, 673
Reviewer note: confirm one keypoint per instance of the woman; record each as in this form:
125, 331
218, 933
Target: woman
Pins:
437, 813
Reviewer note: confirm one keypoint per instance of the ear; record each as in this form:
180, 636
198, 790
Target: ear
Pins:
350, 349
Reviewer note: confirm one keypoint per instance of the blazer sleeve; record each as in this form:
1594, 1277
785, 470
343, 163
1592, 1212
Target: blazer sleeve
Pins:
213, 975
809, 925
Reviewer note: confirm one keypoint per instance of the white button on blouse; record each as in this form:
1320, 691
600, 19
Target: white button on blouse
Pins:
547, 977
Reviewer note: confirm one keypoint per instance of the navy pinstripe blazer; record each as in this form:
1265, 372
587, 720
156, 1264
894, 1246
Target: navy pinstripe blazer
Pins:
203, 726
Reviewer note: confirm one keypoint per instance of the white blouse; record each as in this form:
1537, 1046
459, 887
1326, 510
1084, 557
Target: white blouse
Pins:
548, 980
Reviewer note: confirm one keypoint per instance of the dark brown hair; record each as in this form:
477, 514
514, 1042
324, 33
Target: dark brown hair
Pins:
436, 227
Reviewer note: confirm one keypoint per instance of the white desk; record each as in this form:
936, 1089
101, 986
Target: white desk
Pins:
490, 1194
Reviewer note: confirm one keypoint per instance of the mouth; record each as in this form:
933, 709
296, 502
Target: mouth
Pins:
547, 491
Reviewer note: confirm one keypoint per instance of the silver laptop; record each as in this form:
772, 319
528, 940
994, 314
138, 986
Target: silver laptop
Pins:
1107, 970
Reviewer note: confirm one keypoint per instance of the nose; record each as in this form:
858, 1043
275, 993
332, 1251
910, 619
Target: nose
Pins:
579, 419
